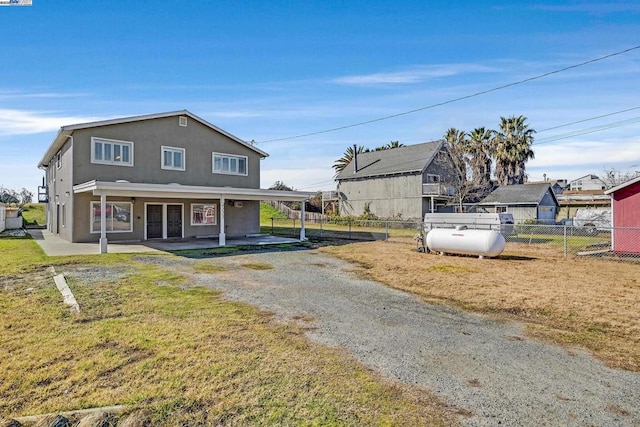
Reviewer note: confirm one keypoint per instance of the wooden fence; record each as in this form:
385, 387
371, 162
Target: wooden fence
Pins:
293, 214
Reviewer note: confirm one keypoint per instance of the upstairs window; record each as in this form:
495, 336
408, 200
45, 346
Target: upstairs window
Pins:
111, 152
59, 160
229, 164
173, 158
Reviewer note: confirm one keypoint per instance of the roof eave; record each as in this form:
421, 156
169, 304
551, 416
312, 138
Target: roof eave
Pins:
623, 185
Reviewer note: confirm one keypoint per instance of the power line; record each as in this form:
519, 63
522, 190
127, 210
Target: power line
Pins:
588, 130
589, 119
439, 104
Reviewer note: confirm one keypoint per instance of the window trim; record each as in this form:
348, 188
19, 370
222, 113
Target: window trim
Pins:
502, 209
58, 159
208, 205
229, 156
173, 150
95, 139
91, 203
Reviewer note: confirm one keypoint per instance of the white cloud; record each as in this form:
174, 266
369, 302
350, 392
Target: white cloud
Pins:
577, 158
21, 122
414, 75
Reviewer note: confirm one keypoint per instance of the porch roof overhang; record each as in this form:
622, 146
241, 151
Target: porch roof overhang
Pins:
178, 191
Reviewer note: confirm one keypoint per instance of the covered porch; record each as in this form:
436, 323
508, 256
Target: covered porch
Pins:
167, 196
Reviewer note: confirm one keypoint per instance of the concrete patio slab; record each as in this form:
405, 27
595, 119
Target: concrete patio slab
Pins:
53, 245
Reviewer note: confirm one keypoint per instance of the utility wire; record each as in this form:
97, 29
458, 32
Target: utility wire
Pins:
439, 104
589, 119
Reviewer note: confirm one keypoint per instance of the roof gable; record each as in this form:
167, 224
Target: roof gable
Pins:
402, 160
519, 194
66, 131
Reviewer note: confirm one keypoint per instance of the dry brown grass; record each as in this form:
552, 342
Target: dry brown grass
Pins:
592, 303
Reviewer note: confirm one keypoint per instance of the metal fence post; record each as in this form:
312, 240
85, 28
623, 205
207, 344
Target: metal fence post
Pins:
565, 241
294, 226
272, 226
320, 227
386, 231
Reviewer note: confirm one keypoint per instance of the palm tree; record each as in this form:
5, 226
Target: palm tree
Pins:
347, 157
457, 144
389, 146
480, 152
512, 150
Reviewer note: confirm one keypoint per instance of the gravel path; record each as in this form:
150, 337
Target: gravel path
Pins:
486, 367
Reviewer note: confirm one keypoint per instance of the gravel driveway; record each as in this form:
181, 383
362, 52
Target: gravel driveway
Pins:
486, 367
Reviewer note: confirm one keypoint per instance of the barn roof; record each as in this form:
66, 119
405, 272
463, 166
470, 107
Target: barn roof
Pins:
402, 160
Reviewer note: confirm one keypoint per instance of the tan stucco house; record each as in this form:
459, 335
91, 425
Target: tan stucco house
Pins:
157, 176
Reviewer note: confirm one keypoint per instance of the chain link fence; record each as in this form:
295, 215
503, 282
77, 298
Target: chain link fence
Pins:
561, 241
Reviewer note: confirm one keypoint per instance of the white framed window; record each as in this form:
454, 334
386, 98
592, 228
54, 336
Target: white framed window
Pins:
118, 215
203, 214
173, 158
229, 164
111, 152
501, 209
182, 121
59, 160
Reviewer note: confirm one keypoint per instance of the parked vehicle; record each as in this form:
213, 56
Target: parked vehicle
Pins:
593, 220
500, 222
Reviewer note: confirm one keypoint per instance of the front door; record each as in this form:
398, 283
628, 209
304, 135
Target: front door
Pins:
174, 221
154, 221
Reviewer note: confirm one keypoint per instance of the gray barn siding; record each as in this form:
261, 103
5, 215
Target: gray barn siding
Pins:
389, 197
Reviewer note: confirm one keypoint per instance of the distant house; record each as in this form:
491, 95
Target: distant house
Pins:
404, 182
526, 202
157, 176
557, 185
626, 213
571, 201
587, 182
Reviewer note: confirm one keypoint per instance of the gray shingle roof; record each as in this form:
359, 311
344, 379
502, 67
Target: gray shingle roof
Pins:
401, 160
523, 194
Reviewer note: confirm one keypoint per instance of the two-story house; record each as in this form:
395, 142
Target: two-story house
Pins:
404, 182
158, 176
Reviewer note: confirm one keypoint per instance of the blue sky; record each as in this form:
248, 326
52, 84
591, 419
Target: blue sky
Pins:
266, 71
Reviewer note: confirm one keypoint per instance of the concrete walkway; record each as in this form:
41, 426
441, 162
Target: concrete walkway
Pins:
53, 245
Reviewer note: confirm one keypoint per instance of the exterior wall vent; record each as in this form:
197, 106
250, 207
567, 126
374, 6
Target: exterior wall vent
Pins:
182, 121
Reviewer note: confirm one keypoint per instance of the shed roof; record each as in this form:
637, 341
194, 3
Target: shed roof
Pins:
519, 194
396, 161
66, 131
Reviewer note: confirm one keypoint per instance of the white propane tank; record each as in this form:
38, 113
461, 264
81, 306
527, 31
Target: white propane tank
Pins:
482, 243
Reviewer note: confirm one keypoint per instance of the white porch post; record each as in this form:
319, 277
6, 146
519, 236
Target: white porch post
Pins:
103, 223
302, 236
222, 240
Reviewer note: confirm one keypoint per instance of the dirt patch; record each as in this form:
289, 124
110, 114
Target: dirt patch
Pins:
590, 302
